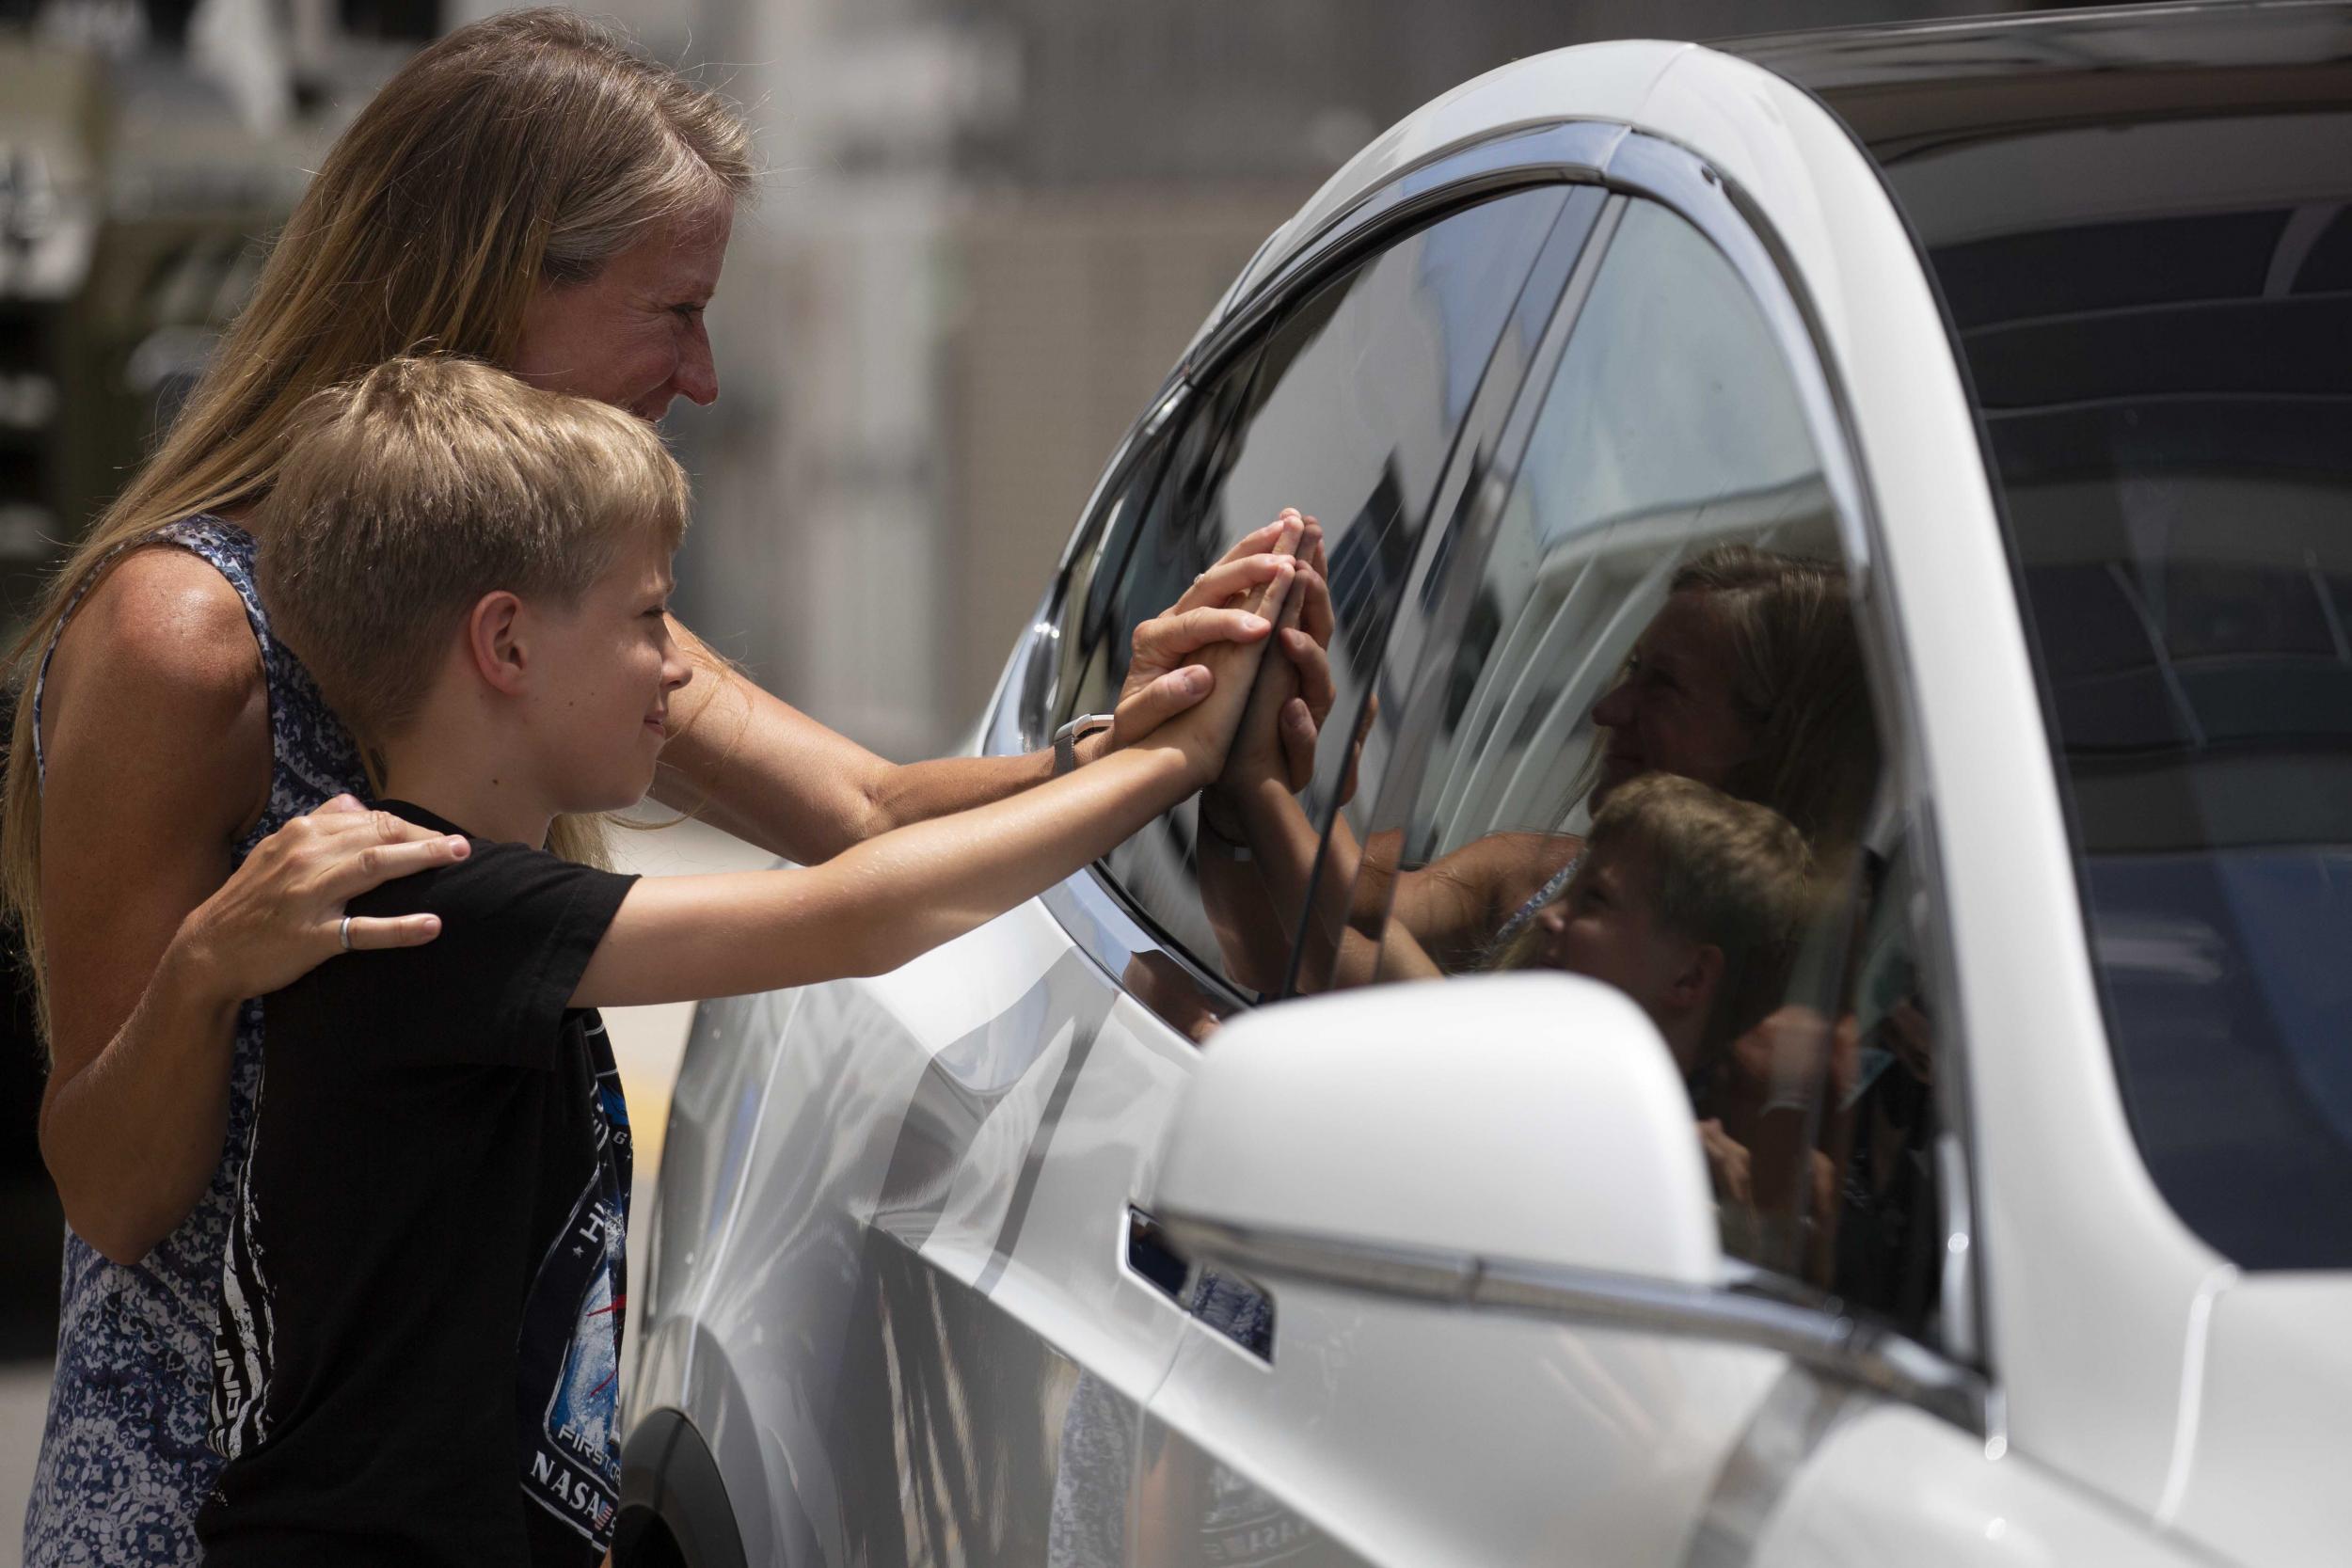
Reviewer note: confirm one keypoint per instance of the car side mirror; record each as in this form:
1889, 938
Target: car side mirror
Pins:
1537, 1118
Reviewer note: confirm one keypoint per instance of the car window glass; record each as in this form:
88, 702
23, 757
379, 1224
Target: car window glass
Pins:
1671, 426
1661, 628
1346, 410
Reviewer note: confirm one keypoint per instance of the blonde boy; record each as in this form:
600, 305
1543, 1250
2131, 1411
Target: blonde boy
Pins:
422, 1295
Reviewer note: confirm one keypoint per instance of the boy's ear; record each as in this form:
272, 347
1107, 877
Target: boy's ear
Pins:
1693, 985
494, 640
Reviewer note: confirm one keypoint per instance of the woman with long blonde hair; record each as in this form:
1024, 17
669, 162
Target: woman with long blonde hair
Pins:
183, 824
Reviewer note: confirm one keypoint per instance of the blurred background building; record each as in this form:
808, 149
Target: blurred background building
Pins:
988, 228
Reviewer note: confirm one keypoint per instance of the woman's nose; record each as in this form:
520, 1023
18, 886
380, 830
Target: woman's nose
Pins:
1615, 708
697, 378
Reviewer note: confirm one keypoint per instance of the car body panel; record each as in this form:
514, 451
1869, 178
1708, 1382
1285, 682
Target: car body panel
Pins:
716, 1106
1429, 1461
821, 1254
1859, 1503
1595, 80
2261, 1469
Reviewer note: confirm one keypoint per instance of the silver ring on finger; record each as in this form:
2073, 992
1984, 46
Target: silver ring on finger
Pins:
343, 932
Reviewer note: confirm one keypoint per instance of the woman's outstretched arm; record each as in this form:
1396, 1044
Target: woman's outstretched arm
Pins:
157, 733
768, 773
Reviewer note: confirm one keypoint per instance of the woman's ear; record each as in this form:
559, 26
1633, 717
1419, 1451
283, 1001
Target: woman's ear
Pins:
494, 640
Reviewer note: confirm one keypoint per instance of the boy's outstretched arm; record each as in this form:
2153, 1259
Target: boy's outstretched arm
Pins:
881, 902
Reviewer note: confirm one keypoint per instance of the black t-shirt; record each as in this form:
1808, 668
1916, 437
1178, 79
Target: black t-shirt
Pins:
420, 1305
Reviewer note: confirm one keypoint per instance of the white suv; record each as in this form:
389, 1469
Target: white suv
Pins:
1056, 1246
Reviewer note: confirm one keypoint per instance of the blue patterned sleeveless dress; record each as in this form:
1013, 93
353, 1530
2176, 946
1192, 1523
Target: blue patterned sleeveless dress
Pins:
123, 1458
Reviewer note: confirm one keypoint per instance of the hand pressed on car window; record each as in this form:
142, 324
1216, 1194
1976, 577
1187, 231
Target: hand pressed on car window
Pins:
1210, 730
1213, 612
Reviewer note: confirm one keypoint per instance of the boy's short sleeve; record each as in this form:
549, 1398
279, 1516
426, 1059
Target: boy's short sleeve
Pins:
518, 926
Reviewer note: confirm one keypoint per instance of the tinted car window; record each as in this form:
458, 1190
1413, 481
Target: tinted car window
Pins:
1347, 410
1670, 473
2167, 407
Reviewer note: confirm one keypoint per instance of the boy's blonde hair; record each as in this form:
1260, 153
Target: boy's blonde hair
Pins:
1723, 872
407, 494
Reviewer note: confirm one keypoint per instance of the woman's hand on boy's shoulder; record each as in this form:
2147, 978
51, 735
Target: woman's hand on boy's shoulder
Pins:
281, 914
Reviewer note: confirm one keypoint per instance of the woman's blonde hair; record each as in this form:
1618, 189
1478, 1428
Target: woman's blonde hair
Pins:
1797, 677
525, 150
408, 494
1797, 680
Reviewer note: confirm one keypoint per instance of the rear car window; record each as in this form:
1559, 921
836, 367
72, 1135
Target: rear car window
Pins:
2158, 346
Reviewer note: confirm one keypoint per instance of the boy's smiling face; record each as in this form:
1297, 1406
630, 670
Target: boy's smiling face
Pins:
600, 701
1606, 927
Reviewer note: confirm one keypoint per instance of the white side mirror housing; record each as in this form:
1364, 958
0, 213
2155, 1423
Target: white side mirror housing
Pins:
1537, 1117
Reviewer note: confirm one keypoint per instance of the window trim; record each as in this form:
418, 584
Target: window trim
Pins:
1566, 153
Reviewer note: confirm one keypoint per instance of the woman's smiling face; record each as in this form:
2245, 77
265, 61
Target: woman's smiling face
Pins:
1674, 711
633, 336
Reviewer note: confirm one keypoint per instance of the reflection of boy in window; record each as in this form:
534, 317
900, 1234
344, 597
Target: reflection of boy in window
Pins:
1694, 904
1688, 901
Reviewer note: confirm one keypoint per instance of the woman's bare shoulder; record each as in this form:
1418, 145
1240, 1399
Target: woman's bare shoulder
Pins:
165, 620
156, 687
